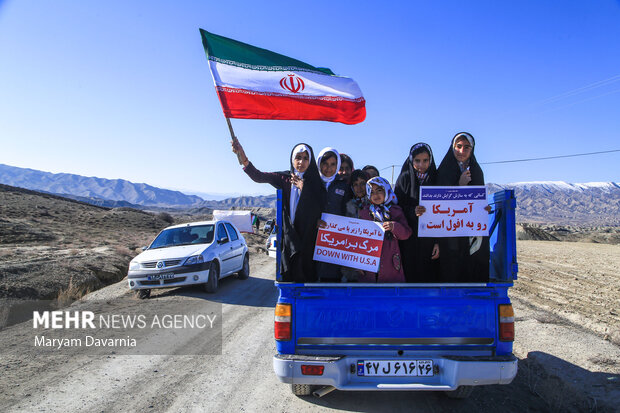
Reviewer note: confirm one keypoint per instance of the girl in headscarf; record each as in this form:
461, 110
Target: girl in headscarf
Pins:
353, 207
383, 208
419, 254
463, 259
336, 194
359, 198
337, 190
371, 171
302, 200
346, 168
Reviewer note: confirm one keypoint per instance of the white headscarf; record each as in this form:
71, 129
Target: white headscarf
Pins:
325, 179
465, 135
470, 139
296, 192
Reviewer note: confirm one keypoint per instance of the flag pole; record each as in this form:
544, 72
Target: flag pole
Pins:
230, 128
233, 137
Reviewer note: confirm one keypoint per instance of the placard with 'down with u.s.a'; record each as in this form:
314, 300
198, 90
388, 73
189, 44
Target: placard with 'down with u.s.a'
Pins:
453, 211
351, 242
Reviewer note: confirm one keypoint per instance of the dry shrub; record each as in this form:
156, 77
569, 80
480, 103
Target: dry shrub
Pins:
166, 217
122, 250
71, 293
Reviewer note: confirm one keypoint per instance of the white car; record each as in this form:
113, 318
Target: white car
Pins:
269, 225
194, 253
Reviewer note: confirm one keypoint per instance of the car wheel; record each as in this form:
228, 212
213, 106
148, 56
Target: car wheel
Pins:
461, 392
245, 270
144, 294
214, 275
302, 389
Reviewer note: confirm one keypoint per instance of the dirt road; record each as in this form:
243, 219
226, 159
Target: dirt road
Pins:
242, 378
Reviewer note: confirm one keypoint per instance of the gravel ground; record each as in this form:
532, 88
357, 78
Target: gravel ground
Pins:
565, 365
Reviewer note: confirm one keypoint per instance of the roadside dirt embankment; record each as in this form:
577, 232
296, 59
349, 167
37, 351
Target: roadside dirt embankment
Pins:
50, 244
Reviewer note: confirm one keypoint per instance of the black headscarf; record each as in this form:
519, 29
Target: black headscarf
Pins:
449, 171
298, 237
408, 184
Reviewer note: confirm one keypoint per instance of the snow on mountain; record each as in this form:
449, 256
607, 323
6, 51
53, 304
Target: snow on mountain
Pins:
564, 186
559, 202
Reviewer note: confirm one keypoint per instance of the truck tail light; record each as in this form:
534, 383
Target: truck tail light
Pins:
282, 326
312, 370
506, 322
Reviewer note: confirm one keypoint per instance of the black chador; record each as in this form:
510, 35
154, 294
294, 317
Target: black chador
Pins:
463, 259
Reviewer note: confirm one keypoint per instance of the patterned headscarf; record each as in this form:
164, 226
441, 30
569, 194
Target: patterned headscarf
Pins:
381, 212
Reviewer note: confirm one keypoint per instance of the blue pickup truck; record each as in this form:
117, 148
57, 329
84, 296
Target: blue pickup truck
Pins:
429, 337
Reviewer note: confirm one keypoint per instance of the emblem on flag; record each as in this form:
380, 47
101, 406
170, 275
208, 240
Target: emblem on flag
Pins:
292, 83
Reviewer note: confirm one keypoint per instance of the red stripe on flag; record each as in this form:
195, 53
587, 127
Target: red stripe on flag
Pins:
253, 105
358, 245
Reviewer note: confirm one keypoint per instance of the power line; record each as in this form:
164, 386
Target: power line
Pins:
550, 157
530, 159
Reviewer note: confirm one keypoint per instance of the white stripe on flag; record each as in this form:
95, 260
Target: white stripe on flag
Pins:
270, 81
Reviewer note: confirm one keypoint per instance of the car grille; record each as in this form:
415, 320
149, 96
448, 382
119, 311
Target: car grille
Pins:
169, 281
175, 280
167, 263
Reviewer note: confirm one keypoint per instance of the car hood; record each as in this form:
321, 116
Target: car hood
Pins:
171, 252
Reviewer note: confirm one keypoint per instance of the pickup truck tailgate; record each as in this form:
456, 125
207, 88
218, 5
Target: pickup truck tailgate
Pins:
341, 319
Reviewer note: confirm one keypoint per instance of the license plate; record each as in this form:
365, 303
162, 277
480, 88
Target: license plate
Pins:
395, 368
160, 276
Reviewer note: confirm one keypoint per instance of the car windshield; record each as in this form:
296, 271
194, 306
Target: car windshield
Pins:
199, 234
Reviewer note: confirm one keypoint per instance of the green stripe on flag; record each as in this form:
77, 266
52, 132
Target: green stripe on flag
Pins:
228, 51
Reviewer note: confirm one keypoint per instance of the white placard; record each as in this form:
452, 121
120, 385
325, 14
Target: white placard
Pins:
453, 211
351, 242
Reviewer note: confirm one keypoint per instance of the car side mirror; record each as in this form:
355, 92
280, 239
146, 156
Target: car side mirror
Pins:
222, 240
145, 248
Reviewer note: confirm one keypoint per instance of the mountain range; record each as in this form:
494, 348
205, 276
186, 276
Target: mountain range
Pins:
558, 202
546, 202
95, 190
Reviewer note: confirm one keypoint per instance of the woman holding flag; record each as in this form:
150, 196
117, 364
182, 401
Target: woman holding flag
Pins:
302, 202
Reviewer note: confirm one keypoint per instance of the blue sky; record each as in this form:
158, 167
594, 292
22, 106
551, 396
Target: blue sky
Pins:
122, 89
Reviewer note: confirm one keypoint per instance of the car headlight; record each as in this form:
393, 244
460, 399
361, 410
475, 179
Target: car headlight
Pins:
134, 265
195, 259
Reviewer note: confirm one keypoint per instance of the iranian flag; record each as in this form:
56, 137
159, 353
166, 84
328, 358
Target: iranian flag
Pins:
254, 83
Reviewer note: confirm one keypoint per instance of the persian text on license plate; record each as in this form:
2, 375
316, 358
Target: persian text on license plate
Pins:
397, 368
160, 276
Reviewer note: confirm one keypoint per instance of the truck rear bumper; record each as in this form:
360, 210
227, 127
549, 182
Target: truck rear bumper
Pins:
450, 373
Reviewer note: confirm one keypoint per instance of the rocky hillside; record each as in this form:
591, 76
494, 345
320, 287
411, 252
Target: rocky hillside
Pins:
49, 243
561, 203
264, 201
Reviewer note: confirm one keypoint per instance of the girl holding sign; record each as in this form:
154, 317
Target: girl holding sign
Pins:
302, 200
336, 195
383, 208
419, 254
463, 259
